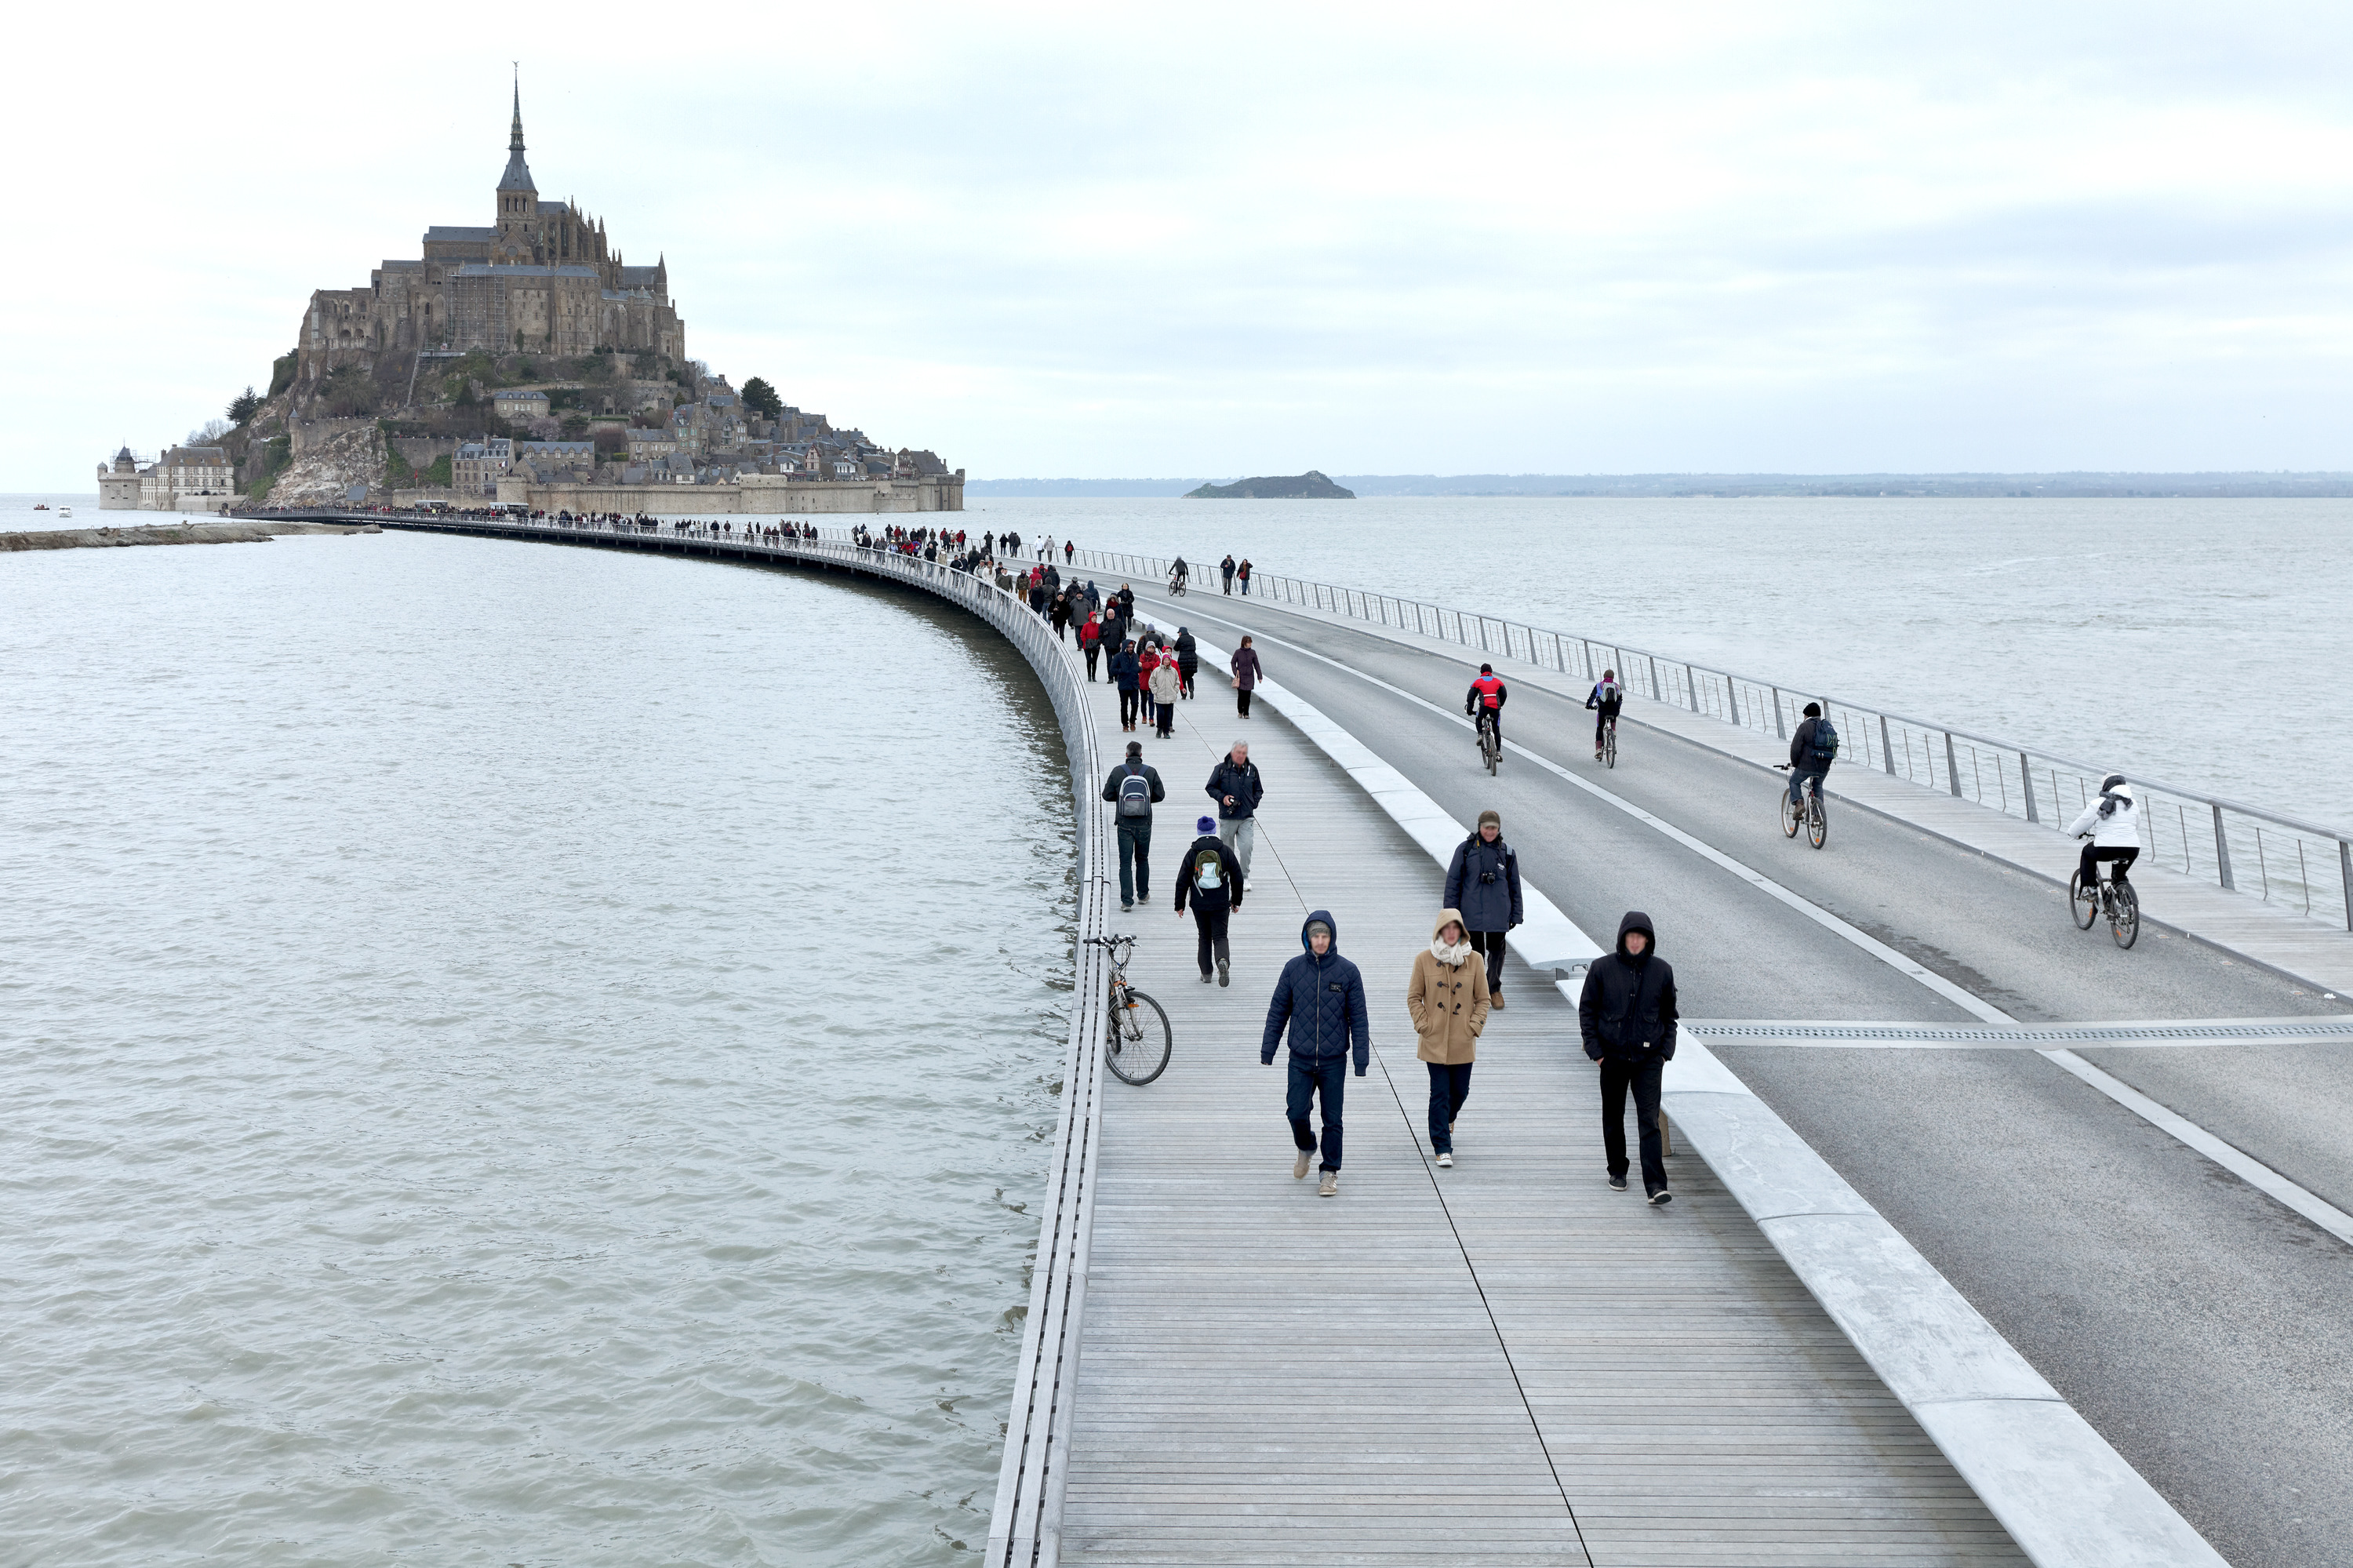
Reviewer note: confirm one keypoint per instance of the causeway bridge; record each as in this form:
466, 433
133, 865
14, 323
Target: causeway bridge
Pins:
1991, 1243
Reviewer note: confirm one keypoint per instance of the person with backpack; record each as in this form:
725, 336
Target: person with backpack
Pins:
2113, 823
1235, 786
1091, 642
1448, 997
1482, 883
1320, 997
1627, 1016
1227, 566
1607, 696
1212, 880
1125, 672
1811, 751
1132, 789
1166, 686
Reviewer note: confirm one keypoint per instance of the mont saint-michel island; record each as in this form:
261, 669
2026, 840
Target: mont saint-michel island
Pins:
523, 361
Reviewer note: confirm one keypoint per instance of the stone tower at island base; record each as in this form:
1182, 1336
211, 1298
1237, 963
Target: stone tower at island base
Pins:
541, 278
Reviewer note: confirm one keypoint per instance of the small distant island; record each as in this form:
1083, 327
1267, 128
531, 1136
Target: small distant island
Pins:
1308, 486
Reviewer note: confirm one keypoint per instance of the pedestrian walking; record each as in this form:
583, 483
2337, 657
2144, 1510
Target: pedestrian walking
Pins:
1320, 997
1147, 661
1227, 567
1234, 784
1627, 1015
1132, 789
1188, 662
1212, 882
1484, 882
1243, 572
1068, 550
1447, 995
1091, 642
1164, 696
1058, 612
1125, 673
1246, 675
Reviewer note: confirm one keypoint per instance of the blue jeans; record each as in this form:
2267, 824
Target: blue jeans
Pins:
1135, 859
1448, 1088
1799, 773
1330, 1079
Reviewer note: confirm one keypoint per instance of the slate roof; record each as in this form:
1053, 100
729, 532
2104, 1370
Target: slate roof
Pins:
460, 235
485, 270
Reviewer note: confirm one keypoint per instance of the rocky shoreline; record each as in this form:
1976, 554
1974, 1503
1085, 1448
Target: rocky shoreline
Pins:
170, 534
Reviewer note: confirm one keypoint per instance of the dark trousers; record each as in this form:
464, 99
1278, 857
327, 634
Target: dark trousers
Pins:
1229, 582
1241, 701
1060, 627
1329, 1078
1644, 1076
1151, 708
1094, 651
2093, 854
1135, 859
1448, 1088
1167, 719
1127, 700
1489, 945
1601, 723
1210, 926
1185, 673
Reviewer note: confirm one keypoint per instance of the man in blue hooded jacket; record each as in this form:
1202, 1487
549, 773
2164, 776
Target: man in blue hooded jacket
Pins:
1321, 996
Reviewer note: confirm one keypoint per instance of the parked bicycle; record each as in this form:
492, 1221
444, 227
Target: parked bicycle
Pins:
1805, 812
2113, 897
1136, 1042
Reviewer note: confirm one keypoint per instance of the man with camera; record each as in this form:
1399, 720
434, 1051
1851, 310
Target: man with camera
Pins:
1483, 886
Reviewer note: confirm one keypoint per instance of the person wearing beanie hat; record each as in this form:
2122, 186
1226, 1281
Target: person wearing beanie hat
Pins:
1811, 751
1132, 789
1210, 880
1483, 884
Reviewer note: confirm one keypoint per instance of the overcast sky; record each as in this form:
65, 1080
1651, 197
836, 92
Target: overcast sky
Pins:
1107, 241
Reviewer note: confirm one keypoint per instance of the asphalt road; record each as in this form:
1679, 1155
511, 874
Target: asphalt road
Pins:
2204, 1330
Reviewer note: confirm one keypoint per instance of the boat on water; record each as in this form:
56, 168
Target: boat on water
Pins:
41, 506
65, 511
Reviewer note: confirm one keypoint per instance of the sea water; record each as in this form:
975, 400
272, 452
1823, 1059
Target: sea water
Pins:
514, 1054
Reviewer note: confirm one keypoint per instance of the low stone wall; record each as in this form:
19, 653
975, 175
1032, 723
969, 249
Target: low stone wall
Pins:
751, 495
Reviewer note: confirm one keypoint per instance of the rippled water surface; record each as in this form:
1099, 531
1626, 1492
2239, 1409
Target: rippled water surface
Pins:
514, 1054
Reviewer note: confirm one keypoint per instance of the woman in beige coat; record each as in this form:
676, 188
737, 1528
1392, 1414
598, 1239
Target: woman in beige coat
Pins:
1448, 997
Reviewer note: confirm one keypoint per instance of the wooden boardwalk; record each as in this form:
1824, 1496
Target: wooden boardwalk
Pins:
1503, 1364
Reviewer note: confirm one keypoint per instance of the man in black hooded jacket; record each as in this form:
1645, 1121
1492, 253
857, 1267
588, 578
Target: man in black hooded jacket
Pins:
1628, 1018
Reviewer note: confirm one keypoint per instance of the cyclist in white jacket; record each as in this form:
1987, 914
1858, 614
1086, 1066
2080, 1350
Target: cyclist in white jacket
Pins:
2113, 823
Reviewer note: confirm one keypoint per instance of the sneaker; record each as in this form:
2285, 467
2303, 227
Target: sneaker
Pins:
1127, 904
1597, 757
1330, 1186
1248, 886
1617, 1183
1205, 977
1225, 972
1662, 1196
1299, 1166
1446, 1162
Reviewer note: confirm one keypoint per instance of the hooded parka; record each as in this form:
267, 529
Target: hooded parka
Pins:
1323, 1002
1449, 1002
1628, 1009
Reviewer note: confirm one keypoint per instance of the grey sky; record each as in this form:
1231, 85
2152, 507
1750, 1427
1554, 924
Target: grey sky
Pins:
1088, 240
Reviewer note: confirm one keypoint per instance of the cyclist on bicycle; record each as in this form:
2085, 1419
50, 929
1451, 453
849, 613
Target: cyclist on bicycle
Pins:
1177, 574
1811, 751
1607, 696
1486, 699
2113, 824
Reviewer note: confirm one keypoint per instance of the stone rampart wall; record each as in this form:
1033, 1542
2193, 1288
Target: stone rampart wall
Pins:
867, 496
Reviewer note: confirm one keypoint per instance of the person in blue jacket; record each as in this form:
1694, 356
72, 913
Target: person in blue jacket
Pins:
1321, 996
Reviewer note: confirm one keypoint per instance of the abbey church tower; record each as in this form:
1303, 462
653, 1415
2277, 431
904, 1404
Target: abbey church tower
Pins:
518, 224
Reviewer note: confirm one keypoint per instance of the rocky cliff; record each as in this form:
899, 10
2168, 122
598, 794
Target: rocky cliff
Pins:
1308, 486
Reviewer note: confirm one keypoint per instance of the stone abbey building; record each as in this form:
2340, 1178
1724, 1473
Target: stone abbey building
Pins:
541, 278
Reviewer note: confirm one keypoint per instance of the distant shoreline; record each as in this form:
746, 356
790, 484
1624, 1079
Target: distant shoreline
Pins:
2073, 487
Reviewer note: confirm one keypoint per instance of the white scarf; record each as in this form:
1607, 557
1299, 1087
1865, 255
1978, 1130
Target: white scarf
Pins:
1446, 953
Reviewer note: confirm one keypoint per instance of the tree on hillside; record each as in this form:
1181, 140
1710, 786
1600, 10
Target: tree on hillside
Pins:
243, 406
762, 399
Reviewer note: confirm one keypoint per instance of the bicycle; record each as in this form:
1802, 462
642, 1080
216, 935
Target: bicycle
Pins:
1491, 744
1609, 742
2114, 896
1134, 1051
1805, 812
1177, 587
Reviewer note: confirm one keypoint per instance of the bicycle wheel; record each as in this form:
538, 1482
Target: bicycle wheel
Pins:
1136, 1042
1818, 822
1788, 816
1610, 747
2124, 914
2083, 905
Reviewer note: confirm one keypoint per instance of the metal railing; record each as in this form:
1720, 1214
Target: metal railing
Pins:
1025, 1528
2282, 860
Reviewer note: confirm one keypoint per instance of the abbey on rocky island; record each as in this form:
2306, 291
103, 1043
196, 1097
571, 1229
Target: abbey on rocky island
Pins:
542, 278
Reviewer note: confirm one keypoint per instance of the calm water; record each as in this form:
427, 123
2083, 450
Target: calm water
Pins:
514, 1055
2202, 642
